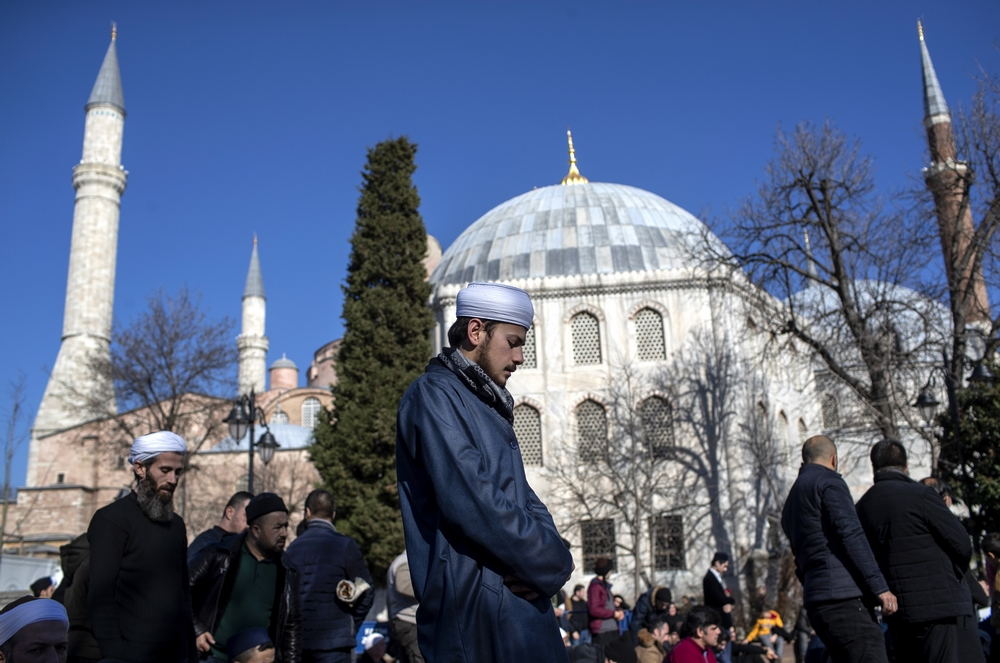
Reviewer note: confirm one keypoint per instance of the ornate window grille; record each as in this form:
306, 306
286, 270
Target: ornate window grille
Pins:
528, 428
586, 339
649, 335
530, 358
658, 425
668, 542
278, 416
591, 430
598, 538
831, 411
310, 412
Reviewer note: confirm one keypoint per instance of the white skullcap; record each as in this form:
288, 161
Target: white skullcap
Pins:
371, 640
154, 444
30, 612
495, 301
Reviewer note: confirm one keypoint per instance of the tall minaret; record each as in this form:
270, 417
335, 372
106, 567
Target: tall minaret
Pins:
252, 342
99, 180
946, 177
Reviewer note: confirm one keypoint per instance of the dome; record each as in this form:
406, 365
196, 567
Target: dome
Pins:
580, 228
284, 362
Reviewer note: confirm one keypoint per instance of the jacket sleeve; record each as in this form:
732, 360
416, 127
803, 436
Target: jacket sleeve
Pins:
436, 431
199, 579
291, 650
839, 511
978, 593
356, 568
755, 631
946, 529
107, 548
642, 608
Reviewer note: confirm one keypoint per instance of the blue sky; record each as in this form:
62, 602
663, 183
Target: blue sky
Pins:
254, 117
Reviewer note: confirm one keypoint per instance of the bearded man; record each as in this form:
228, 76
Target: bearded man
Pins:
139, 596
484, 554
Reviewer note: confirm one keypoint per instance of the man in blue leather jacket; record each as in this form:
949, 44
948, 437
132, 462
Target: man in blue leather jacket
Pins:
484, 553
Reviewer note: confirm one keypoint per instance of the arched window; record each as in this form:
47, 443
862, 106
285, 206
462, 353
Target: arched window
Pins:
278, 416
782, 428
591, 430
586, 339
649, 335
530, 359
310, 412
803, 431
528, 428
658, 425
831, 411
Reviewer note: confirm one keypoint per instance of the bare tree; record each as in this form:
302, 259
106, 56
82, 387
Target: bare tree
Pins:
845, 295
170, 369
18, 430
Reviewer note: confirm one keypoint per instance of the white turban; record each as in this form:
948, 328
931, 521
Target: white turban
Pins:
31, 612
154, 444
495, 301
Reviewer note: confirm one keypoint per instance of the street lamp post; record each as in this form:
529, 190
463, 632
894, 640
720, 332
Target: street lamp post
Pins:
241, 420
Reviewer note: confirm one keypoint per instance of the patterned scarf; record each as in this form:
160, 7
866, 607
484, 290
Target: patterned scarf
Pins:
476, 379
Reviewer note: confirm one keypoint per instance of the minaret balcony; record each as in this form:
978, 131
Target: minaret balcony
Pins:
100, 174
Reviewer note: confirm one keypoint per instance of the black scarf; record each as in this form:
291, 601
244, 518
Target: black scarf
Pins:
476, 379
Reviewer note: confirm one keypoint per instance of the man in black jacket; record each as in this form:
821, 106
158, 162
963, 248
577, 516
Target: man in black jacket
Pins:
325, 557
140, 605
924, 552
232, 522
840, 578
249, 582
716, 594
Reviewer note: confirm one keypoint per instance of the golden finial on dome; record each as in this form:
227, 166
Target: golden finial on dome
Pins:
574, 176
114, 30
920, 30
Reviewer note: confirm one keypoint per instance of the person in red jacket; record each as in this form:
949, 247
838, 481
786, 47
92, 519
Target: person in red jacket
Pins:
601, 605
701, 635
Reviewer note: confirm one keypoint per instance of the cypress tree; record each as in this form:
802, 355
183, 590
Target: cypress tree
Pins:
386, 345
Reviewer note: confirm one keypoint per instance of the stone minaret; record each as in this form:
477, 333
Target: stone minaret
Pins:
252, 342
947, 178
99, 180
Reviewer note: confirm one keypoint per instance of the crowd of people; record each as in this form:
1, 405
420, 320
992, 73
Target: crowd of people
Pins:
887, 579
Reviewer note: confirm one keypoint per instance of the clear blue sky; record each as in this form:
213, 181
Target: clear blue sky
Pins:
251, 117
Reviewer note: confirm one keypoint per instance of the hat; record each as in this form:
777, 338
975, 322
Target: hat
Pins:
621, 649
603, 566
245, 640
371, 640
264, 504
495, 301
663, 595
720, 557
40, 585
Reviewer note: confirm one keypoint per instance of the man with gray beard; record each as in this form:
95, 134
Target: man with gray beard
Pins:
139, 596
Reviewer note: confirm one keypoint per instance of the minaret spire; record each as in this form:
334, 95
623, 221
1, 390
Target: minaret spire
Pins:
948, 180
73, 394
574, 176
935, 107
252, 341
811, 264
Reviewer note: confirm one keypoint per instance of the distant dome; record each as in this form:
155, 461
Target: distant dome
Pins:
284, 362
584, 228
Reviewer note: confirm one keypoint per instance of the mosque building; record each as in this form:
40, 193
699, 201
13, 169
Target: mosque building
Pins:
645, 420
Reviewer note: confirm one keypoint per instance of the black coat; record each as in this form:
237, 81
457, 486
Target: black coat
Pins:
832, 557
645, 610
716, 597
213, 574
920, 546
324, 557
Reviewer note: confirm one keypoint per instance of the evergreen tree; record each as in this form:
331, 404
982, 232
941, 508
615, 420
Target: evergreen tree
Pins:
386, 345
979, 485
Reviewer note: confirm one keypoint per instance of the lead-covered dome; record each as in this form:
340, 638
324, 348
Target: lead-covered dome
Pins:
581, 228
